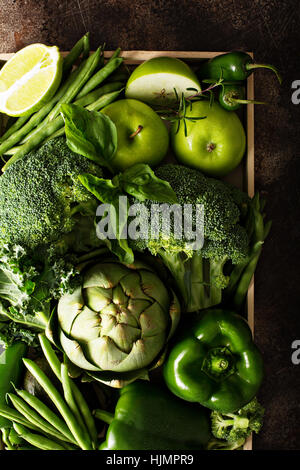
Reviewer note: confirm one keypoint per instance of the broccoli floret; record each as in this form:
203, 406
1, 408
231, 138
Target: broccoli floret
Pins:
236, 427
41, 196
199, 273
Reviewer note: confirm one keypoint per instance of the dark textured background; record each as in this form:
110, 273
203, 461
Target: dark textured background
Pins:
270, 28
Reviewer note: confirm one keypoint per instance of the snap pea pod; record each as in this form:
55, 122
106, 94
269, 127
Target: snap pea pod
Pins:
63, 408
36, 440
34, 418
100, 76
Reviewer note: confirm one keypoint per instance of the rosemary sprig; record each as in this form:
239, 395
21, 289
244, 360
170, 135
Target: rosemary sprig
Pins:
184, 104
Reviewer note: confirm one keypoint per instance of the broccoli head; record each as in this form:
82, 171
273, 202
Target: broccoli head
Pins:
199, 272
40, 195
234, 428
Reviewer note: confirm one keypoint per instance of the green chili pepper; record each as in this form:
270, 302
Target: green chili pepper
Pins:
11, 367
232, 96
233, 66
215, 363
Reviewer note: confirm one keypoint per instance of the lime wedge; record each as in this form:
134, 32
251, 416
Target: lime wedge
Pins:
29, 79
154, 81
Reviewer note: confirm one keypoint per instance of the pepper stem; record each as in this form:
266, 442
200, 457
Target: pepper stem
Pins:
136, 132
219, 363
250, 66
237, 100
104, 415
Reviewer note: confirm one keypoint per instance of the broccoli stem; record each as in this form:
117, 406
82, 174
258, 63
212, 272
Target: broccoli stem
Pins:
195, 278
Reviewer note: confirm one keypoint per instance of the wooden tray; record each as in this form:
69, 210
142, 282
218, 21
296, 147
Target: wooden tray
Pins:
243, 176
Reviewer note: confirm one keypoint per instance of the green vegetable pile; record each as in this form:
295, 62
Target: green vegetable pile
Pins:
120, 334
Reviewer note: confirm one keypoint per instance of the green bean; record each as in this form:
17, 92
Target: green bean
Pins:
85, 72
15, 416
84, 101
86, 46
80, 400
100, 76
14, 127
104, 101
57, 127
47, 414
114, 55
80, 47
5, 438
32, 416
67, 388
38, 441
96, 106
60, 404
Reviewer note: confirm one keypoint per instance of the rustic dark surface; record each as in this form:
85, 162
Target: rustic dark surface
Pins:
270, 28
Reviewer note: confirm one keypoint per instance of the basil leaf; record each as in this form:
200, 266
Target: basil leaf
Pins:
109, 192
90, 133
141, 182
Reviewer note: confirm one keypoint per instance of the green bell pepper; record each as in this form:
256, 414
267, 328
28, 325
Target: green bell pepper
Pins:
215, 362
11, 368
151, 418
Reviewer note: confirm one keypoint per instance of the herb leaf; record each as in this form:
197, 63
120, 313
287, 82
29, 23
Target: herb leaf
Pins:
90, 133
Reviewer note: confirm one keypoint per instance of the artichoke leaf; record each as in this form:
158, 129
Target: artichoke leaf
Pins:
175, 313
154, 288
75, 353
132, 286
104, 353
68, 308
113, 379
153, 321
123, 336
86, 326
106, 275
97, 298
143, 352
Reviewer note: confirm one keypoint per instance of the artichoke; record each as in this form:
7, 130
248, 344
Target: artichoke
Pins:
116, 324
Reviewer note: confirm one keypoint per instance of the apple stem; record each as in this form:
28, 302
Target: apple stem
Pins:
210, 147
136, 132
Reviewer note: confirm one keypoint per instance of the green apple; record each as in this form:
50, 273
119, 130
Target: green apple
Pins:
214, 145
142, 135
154, 81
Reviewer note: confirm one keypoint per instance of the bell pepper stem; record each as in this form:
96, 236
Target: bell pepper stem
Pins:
104, 415
251, 66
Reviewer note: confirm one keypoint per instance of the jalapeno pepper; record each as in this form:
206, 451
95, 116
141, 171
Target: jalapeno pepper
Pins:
215, 363
233, 66
11, 367
232, 96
